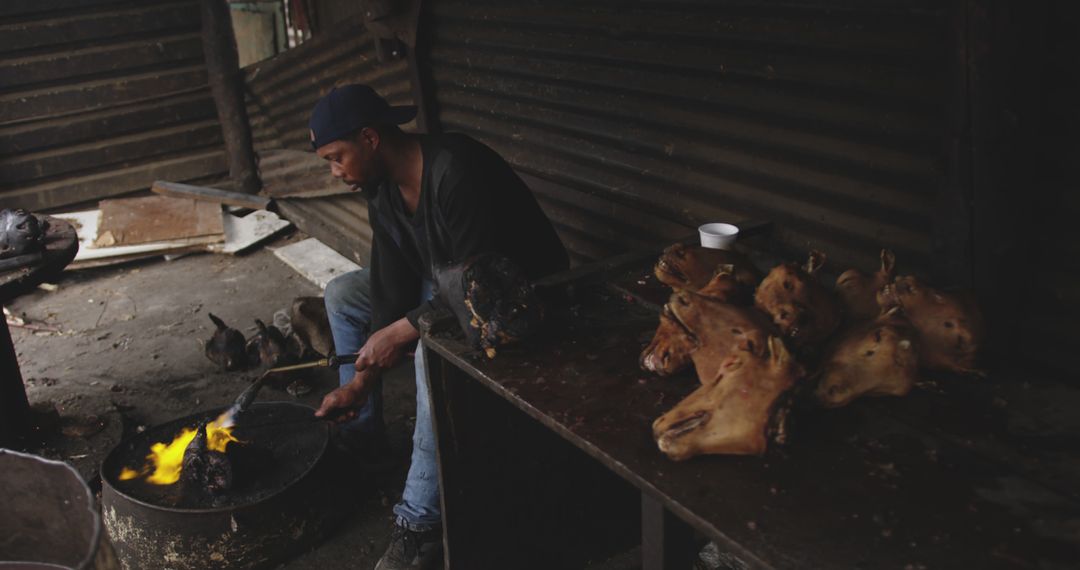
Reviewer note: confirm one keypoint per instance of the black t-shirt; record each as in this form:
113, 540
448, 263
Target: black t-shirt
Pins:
471, 202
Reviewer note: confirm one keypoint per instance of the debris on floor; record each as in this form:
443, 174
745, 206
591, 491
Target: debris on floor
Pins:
149, 219
315, 261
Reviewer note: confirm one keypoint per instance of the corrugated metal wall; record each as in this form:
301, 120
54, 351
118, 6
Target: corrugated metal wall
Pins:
636, 121
283, 90
102, 97
281, 93
1053, 304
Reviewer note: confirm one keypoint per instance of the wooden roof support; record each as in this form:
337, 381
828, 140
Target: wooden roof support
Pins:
227, 85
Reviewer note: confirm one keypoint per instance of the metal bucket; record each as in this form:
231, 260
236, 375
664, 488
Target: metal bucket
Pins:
251, 530
47, 517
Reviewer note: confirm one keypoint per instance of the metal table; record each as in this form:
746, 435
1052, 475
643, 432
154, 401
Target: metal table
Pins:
61, 245
551, 442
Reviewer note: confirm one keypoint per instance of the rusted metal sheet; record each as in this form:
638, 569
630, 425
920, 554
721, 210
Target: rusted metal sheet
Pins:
100, 98
283, 90
281, 93
340, 222
825, 117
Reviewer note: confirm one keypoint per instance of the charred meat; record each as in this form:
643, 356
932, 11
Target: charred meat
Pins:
492, 300
226, 347
205, 469
20, 233
267, 346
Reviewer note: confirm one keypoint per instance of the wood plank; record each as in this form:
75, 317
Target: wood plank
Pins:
315, 261
85, 224
204, 193
132, 221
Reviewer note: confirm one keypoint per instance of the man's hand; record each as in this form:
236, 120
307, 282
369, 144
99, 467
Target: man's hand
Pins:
385, 347
348, 397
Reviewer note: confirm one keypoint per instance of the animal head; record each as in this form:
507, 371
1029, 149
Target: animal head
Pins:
733, 414
875, 359
692, 267
704, 330
669, 351
858, 290
798, 303
949, 325
226, 346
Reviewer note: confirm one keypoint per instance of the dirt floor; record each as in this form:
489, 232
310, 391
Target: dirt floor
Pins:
129, 354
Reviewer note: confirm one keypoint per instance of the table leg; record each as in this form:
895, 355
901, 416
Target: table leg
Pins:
667, 543
442, 391
14, 407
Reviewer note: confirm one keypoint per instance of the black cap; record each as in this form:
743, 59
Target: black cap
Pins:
349, 108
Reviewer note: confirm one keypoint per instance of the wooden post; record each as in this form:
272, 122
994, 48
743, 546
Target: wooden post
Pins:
420, 72
227, 86
14, 408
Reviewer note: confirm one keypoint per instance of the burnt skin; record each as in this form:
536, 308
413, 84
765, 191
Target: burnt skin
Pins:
267, 346
949, 325
692, 267
226, 347
876, 358
800, 306
858, 290
734, 414
205, 470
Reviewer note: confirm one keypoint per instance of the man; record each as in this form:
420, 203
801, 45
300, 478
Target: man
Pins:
433, 200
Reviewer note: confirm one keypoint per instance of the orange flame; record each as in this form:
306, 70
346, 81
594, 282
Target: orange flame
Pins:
165, 461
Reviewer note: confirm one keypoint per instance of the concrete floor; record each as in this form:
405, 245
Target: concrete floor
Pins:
130, 354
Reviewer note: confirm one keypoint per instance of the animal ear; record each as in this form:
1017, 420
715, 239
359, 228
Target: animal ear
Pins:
217, 322
815, 262
720, 287
892, 312
888, 262
777, 350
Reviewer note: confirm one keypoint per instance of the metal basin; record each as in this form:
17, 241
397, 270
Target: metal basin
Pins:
282, 502
49, 519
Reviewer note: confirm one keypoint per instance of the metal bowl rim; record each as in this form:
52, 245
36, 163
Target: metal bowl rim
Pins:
106, 481
95, 543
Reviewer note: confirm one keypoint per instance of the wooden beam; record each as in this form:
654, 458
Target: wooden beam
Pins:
177, 190
227, 85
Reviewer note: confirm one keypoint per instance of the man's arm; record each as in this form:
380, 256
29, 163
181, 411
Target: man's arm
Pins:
394, 289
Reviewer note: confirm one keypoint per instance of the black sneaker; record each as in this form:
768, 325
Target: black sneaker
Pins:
412, 550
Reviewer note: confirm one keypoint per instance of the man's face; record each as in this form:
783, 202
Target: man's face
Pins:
353, 161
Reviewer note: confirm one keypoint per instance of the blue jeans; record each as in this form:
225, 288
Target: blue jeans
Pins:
348, 306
